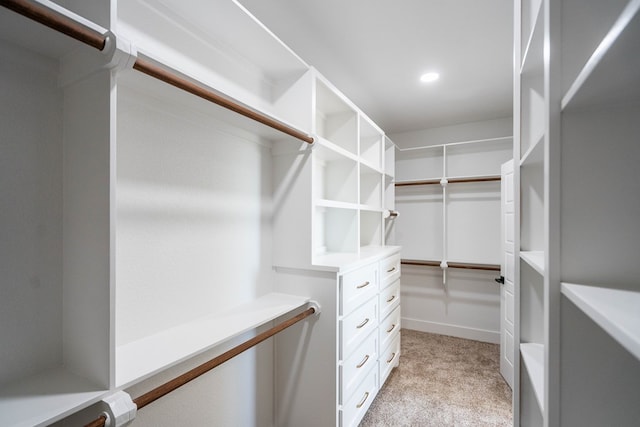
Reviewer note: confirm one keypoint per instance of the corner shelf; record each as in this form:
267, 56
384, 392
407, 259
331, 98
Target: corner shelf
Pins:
614, 310
535, 259
533, 358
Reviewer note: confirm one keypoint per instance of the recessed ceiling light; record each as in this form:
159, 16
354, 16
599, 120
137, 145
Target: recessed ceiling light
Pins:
429, 77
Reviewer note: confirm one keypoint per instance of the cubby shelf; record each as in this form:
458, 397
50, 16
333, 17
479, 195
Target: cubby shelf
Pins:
615, 310
533, 358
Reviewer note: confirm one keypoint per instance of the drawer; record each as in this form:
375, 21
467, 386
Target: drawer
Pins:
389, 327
357, 287
389, 358
389, 270
357, 405
389, 299
357, 365
357, 326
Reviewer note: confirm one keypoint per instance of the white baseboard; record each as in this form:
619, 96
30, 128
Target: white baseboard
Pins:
492, 337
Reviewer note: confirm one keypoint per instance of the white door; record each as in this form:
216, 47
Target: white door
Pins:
507, 271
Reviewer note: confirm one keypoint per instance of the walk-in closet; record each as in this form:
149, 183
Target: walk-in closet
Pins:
319, 213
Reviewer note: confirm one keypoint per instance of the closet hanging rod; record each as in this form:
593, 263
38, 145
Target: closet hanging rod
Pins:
168, 77
449, 180
464, 265
96, 40
179, 381
60, 23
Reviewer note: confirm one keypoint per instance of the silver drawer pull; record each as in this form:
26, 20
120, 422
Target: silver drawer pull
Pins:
363, 323
363, 285
361, 364
392, 298
364, 399
391, 328
393, 356
392, 270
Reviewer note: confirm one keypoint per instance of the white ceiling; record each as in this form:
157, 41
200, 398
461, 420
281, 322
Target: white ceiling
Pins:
375, 51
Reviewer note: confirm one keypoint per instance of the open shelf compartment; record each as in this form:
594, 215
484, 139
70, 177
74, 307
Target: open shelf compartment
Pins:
335, 119
256, 68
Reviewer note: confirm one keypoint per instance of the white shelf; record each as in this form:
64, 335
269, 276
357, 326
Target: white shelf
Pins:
533, 358
141, 359
535, 259
611, 73
614, 310
45, 398
325, 203
345, 261
535, 153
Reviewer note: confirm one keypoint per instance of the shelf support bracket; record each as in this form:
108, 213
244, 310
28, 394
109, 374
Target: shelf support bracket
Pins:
118, 54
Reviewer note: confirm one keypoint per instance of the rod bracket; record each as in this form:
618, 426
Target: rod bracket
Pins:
444, 182
119, 409
118, 54
314, 304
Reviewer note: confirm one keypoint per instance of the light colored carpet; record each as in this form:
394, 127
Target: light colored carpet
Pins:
443, 381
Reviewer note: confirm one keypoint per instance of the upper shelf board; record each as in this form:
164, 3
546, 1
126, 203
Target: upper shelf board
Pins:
141, 359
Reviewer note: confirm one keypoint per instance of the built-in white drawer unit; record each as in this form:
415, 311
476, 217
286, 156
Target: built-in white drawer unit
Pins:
389, 358
389, 270
357, 287
389, 327
352, 412
357, 365
357, 326
389, 299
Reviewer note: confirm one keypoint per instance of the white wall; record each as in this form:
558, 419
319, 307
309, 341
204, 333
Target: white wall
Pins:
468, 304
455, 133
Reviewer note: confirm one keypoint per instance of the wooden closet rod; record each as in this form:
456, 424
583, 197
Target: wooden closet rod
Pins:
57, 22
96, 40
159, 73
194, 373
465, 265
449, 180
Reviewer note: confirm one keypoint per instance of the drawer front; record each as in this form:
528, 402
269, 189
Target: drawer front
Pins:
389, 270
357, 365
389, 328
389, 358
351, 413
389, 299
357, 287
357, 326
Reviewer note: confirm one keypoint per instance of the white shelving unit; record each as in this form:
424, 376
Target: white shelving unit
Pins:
421, 196
145, 222
584, 96
115, 171
536, 388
